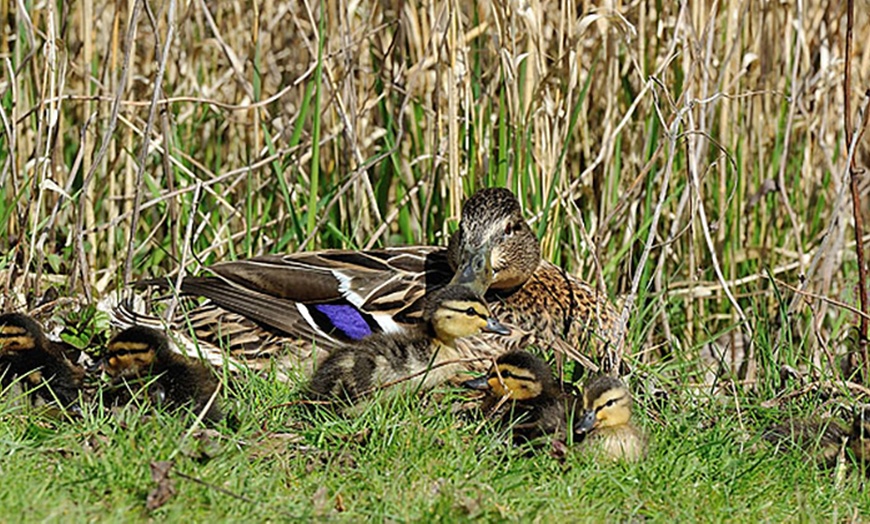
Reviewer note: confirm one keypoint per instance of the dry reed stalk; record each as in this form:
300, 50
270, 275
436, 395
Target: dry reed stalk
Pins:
854, 175
420, 104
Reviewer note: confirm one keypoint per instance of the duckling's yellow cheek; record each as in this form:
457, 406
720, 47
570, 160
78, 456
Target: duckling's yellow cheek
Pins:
497, 387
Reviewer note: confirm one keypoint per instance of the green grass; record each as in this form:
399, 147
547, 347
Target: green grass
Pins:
407, 459
351, 146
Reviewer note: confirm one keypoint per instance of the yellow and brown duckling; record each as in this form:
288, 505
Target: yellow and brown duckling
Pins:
290, 311
418, 360
607, 424
140, 360
523, 395
41, 366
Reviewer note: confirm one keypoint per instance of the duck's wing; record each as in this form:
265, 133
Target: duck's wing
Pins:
327, 297
386, 282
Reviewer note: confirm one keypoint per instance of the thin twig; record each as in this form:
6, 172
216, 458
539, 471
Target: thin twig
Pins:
834, 385
383, 386
146, 142
823, 298
855, 174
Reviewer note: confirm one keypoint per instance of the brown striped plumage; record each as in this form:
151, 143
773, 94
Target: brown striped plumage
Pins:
263, 311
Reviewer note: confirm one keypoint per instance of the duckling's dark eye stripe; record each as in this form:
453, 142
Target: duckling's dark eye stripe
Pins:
125, 352
609, 403
508, 374
470, 311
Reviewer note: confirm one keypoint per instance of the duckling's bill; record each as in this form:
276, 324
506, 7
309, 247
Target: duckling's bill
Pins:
494, 326
587, 423
480, 383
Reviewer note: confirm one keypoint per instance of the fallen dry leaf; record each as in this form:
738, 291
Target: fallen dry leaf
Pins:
165, 488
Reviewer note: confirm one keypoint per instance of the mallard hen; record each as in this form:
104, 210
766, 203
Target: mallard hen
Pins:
292, 310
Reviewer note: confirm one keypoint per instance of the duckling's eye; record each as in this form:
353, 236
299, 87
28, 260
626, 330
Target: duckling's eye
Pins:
471, 312
612, 402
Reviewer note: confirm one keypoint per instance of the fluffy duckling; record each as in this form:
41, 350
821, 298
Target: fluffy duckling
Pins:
522, 394
607, 421
41, 365
141, 358
823, 441
415, 360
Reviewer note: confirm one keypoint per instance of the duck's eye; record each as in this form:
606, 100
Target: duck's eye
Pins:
471, 312
512, 227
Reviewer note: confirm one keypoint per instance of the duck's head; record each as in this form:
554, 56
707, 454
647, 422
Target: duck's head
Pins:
607, 403
19, 333
494, 247
518, 375
457, 311
133, 351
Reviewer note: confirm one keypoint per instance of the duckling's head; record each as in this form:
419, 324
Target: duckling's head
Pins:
518, 375
607, 402
457, 311
133, 351
19, 333
493, 221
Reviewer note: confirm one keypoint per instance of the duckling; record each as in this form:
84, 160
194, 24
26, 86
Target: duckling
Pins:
43, 368
823, 441
536, 406
382, 359
143, 356
607, 421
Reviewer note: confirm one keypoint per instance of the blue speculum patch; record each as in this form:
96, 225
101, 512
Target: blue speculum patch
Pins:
346, 319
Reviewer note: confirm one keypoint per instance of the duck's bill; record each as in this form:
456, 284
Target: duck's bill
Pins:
475, 269
479, 383
587, 423
494, 326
